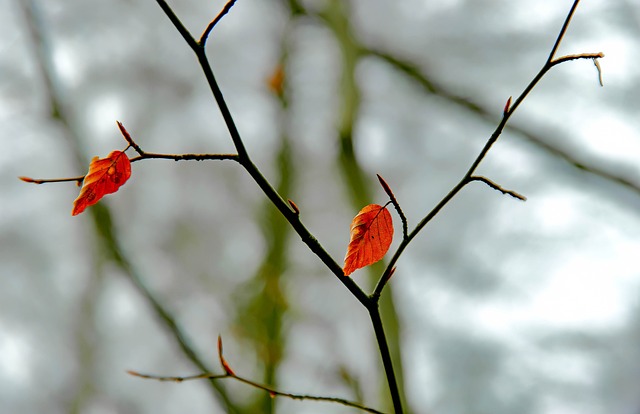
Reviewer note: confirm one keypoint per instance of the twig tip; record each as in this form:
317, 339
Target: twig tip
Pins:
28, 180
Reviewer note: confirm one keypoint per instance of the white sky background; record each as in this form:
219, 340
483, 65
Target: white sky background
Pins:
507, 306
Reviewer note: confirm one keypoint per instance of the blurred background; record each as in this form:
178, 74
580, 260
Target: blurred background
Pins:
499, 306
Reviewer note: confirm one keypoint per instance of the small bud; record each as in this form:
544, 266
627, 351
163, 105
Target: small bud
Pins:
385, 187
294, 206
225, 365
505, 111
124, 131
28, 180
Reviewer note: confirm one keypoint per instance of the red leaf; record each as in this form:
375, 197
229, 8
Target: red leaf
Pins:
371, 235
105, 176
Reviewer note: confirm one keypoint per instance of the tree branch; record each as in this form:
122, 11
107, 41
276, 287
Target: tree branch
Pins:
550, 63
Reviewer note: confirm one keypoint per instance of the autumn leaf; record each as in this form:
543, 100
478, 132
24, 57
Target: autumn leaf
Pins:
105, 176
371, 235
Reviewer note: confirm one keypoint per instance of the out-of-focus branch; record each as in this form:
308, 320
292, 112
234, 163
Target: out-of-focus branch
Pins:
229, 373
100, 214
272, 392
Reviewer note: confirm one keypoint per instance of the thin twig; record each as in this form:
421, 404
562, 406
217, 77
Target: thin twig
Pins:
567, 58
225, 10
144, 156
186, 157
272, 392
497, 187
78, 180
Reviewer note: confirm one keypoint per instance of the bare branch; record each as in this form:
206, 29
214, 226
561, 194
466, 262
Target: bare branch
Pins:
549, 64
567, 58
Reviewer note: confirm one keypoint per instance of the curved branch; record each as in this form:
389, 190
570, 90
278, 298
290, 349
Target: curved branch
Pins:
467, 178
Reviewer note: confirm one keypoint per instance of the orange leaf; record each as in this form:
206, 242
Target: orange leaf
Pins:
371, 235
105, 176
